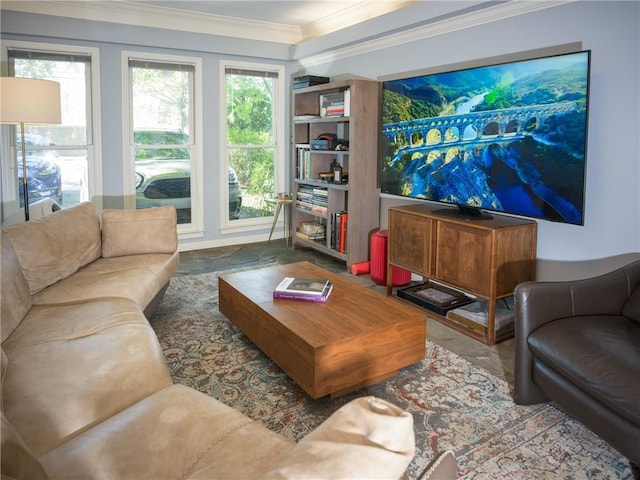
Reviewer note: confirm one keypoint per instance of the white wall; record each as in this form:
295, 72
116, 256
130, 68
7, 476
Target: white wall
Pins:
611, 31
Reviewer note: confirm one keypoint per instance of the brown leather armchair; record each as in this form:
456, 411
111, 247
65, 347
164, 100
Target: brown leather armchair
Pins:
577, 343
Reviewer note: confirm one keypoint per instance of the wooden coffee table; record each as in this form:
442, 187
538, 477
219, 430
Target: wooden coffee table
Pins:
358, 338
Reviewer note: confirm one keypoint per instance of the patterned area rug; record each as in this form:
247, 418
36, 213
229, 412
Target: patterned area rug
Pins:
455, 405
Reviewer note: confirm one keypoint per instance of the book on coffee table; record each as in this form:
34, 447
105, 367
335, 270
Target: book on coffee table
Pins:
307, 289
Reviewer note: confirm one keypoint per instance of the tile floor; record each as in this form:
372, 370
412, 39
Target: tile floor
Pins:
497, 359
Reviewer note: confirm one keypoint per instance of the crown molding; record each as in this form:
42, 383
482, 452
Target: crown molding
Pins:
160, 17
352, 15
488, 15
142, 15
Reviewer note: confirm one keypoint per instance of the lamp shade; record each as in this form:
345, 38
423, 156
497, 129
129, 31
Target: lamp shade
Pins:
29, 101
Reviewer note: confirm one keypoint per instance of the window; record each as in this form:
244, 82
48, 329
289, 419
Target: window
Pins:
163, 149
62, 164
253, 147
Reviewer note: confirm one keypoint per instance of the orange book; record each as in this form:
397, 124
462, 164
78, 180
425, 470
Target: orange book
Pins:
343, 232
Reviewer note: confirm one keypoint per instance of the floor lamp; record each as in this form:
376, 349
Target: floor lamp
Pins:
28, 101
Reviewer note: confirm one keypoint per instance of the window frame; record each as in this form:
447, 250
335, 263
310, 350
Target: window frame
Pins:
279, 125
94, 139
196, 227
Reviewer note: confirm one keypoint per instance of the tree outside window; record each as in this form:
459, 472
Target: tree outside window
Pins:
251, 139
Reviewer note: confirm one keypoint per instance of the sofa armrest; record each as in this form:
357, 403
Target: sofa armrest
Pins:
135, 232
366, 438
538, 303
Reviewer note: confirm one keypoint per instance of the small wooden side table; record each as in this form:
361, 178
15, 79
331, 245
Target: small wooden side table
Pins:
279, 202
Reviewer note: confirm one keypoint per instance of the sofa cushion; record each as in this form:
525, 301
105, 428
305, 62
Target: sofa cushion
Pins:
368, 436
133, 232
73, 366
176, 433
137, 277
598, 354
631, 309
16, 296
4, 364
53, 247
18, 461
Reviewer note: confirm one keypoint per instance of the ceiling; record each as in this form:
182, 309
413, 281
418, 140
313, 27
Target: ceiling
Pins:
283, 21
295, 13
292, 22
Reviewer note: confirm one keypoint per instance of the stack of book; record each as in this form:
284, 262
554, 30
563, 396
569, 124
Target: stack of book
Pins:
335, 109
304, 197
311, 231
320, 200
335, 104
305, 289
312, 199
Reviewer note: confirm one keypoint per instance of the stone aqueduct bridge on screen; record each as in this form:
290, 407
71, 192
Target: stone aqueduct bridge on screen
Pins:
471, 127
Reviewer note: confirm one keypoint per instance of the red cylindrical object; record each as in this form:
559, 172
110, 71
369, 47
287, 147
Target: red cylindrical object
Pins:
379, 262
360, 268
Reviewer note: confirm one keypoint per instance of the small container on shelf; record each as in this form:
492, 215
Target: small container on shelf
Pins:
336, 168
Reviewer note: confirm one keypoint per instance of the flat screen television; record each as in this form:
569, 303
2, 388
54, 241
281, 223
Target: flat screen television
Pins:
509, 138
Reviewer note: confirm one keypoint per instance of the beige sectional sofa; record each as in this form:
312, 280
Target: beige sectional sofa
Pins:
86, 392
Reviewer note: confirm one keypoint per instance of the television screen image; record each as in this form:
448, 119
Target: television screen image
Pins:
506, 138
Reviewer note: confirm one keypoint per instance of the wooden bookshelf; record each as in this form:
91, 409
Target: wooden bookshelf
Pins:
359, 196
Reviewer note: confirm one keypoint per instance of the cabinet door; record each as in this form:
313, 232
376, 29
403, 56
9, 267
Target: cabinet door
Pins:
410, 241
463, 257
515, 257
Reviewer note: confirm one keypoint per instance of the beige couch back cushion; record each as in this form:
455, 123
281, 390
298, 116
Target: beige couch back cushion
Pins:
53, 247
16, 297
130, 232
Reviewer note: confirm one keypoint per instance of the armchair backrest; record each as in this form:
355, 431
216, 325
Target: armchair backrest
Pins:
607, 294
631, 309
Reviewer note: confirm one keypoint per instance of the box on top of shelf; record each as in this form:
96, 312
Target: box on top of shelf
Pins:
309, 81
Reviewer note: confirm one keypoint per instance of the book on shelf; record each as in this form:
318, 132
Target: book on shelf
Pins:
312, 199
312, 227
306, 289
335, 221
319, 209
333, 105
304, 205
335, 109
303, 164
339, 231
316, 237
305, 117
342, 243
